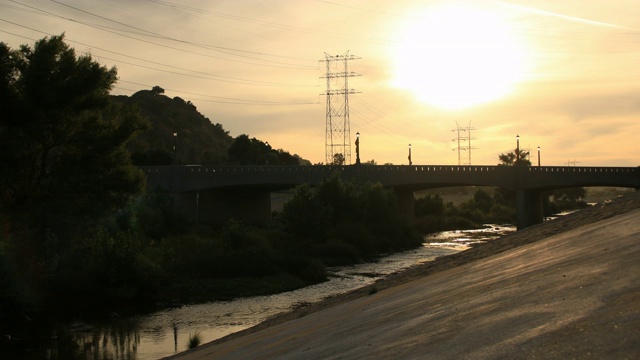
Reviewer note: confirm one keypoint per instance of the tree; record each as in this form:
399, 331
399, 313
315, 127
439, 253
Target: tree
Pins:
516, 157
430, 204
251, 151
512, 158
338, 159
61, 140
157, 90
569, 198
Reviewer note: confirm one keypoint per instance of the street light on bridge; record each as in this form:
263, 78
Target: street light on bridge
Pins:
517, 149
538, 155
410, 163
358, 148
175, 141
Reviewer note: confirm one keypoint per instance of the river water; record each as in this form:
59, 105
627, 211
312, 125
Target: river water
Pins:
167, 332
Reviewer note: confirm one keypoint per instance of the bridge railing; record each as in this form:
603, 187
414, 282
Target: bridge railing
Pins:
198, 169
581, 169
319, 169
418, 176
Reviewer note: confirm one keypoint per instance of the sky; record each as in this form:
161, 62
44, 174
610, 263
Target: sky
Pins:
563, 75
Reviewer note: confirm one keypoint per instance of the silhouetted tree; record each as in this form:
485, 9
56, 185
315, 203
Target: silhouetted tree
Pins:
505, 196
61, 140
338, 159
569, 198
64, 163
157, 90
251, 151
512, 158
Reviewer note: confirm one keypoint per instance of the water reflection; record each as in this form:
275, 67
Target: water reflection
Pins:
166, 332
112, 342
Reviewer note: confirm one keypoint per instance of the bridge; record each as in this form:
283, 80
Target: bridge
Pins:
210, 194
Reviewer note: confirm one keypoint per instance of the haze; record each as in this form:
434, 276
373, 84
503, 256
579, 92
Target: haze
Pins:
562, 75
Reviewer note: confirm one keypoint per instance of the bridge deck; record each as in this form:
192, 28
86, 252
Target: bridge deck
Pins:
196, 177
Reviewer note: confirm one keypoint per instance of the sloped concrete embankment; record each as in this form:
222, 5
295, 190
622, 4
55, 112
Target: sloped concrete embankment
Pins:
564, 289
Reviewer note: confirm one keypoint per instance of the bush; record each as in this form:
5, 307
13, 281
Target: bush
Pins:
429, 205
337, 252
106, 269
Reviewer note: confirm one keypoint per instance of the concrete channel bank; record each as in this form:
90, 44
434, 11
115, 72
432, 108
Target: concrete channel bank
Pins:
567, 288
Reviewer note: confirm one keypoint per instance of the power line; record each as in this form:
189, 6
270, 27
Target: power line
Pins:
265, 23
228, 78
116, 32
230, 100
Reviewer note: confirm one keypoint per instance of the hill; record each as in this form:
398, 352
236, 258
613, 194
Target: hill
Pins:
180, 134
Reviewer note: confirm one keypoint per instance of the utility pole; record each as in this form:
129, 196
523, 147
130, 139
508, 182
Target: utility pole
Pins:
338, 131
463, 141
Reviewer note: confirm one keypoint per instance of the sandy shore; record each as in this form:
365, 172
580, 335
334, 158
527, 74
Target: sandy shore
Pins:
555, 290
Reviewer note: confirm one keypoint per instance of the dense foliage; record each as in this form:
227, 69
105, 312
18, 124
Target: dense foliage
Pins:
251, 151
64, 162
432, 214
342, 222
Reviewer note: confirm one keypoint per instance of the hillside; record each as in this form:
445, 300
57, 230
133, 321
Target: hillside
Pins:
198, 140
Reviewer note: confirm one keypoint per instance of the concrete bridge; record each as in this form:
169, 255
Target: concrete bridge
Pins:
210, 194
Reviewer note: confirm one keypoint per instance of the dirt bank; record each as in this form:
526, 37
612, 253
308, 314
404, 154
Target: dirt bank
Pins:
487, 301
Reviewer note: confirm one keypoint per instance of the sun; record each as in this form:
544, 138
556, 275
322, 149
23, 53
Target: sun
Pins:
458, 56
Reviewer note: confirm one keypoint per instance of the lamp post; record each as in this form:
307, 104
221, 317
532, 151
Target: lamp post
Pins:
410, 163
358, 148
173, 167
538, 155
517, 149
175, 140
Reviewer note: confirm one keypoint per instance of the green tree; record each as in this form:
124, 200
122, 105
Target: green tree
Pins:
61, 140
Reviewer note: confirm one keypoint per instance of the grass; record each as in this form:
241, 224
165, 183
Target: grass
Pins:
194, 340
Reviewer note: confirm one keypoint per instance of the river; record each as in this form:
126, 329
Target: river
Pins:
165, 332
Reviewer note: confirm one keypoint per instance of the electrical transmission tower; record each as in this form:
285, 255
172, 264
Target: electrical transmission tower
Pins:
463, 141
338, 132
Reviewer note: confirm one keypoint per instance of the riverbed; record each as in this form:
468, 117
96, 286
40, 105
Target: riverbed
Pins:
166, 332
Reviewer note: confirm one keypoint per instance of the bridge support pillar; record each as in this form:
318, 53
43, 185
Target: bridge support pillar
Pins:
216, 207
529, 208
405, 201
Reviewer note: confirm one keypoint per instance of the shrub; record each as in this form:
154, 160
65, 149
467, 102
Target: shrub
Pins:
194, 340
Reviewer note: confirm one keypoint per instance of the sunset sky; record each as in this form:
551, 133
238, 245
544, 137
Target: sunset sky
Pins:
564, 75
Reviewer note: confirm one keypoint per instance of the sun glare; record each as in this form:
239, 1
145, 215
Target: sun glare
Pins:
458, 56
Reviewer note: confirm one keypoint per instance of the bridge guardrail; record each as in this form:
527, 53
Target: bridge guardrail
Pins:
583, 169
183, 177
318, 168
